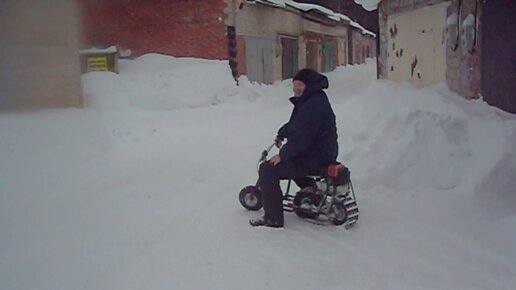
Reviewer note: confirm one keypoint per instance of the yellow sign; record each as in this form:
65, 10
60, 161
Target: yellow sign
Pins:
97, 63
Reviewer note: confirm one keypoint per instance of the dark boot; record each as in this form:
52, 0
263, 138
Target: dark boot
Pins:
259, 222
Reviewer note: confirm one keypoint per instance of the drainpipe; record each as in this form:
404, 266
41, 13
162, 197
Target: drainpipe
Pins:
230, 11
378, 46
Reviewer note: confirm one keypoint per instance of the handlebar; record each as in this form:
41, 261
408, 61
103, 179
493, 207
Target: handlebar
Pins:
264, 155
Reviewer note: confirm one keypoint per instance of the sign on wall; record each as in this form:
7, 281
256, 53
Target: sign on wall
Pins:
97, 63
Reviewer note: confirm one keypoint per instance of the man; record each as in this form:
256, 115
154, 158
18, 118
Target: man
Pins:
311, 145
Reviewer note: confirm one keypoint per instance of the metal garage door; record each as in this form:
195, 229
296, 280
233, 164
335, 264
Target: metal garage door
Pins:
328, 56
259, 56
289, 56
311, 55
416, 48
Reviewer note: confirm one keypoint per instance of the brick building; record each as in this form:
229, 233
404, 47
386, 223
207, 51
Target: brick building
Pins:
179, 28
469, 44
39, 55
265, 40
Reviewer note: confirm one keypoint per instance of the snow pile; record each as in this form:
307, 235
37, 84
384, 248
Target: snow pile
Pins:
160, 82
421, 138
139, 190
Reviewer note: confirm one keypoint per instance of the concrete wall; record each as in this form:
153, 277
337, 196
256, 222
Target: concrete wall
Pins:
39, 54
416, 48
462, 68
266, 21
386, 8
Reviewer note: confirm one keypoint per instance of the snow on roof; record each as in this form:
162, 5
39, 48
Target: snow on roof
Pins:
469, 21
94, 50
355, 24
368, 5
305, 7
452, 19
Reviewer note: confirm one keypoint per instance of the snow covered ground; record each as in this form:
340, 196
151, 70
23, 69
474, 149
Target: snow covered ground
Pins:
139, 190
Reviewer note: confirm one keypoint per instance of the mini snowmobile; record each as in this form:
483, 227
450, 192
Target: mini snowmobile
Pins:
333, 201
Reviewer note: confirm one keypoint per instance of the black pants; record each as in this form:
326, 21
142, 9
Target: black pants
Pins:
269, 183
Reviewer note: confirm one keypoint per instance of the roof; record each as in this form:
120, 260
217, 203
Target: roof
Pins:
304, 7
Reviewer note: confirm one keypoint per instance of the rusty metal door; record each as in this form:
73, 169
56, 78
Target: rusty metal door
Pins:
259, 55
311, 55
350, 47
289, 57
499, 53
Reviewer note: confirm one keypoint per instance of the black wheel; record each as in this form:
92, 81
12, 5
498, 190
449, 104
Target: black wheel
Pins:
304, 205
338, 214
250, 198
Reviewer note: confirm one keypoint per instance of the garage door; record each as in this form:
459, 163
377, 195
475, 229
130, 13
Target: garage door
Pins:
416, 47
259, 56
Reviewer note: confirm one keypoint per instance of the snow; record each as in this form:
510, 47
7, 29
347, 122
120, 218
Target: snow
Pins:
305, 7
469, 20
94, 50
368, 5
452, 19
139, 189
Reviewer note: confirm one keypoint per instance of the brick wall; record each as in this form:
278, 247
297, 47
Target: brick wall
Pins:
39, 54
180, 28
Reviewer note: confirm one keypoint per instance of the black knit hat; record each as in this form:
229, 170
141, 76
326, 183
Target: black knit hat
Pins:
304, 75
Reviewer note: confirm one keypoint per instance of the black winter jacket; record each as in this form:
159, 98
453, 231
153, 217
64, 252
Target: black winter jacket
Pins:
311, 130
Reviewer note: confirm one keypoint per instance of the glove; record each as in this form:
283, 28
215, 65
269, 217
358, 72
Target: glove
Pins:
278, 142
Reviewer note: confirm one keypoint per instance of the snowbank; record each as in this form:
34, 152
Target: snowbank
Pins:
160, 82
